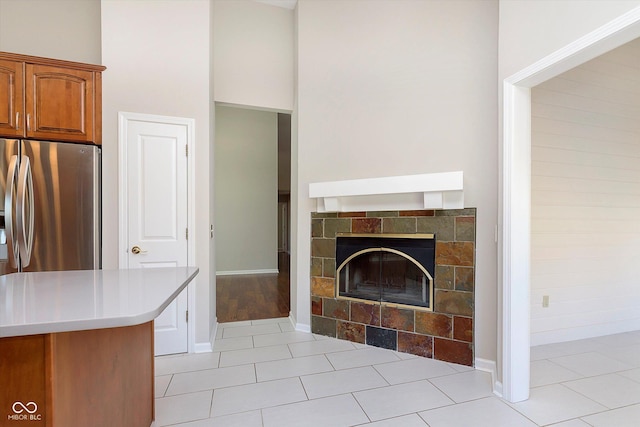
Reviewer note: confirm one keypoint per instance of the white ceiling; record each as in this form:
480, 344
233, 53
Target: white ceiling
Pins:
287, 4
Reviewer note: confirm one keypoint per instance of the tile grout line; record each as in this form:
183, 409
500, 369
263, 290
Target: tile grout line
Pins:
325, 355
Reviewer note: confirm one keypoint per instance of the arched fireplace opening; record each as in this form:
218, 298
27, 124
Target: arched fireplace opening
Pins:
391, 269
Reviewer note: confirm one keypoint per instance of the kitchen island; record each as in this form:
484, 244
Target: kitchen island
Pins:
76, 347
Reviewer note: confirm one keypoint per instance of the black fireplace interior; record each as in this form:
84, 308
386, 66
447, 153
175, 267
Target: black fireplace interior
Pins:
396, 269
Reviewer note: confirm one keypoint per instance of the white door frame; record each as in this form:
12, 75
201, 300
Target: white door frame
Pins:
516, 190
123, 121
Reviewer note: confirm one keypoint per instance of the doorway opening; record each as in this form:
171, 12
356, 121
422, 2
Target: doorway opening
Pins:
516, 191
252, 179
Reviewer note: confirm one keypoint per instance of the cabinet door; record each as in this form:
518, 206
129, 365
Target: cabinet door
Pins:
11, 99
59, 103
23, 395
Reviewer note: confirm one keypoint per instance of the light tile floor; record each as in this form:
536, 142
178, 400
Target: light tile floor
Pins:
265, 374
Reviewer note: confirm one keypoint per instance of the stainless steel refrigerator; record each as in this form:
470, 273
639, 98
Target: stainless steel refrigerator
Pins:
50, 194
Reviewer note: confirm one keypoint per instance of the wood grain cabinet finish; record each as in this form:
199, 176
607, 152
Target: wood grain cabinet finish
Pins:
49, 99
59, 103
97, 378
24, 381
11, 98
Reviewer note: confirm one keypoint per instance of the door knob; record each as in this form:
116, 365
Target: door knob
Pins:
136, 250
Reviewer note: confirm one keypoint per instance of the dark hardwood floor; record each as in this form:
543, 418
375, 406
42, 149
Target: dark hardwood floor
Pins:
254, 296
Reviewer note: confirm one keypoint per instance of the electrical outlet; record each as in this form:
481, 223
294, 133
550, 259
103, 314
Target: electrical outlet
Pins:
545, 301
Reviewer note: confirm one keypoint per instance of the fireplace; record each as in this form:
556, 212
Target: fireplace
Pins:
433, 310
397, 269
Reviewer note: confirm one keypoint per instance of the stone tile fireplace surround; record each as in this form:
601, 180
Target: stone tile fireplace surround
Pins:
446, 333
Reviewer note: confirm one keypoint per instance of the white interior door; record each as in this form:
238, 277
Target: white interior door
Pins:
156, 213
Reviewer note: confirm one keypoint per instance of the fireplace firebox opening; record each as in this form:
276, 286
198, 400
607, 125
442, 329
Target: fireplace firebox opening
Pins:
396, 269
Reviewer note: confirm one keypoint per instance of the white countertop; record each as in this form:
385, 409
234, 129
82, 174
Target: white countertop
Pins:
62, 301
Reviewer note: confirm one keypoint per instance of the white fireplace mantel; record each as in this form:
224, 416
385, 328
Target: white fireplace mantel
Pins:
407, 192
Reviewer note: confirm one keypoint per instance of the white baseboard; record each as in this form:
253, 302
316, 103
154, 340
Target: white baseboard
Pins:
207, 347
300, 327
202, 347
497, 389
490, 366
584, 332
241, 272
214, 331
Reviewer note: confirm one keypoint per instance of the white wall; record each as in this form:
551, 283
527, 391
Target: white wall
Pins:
532, 29
586, 199
61, 29
396, 88
157, 59
253, 54
246, 188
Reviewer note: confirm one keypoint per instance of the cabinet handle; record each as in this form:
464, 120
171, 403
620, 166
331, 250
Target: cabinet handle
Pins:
29, 122
17, 120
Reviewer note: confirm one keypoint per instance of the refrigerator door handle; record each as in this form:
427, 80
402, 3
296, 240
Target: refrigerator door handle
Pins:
24, 209
10, 189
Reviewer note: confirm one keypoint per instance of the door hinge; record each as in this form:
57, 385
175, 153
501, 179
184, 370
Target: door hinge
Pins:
186, 233
186, 150
186, 315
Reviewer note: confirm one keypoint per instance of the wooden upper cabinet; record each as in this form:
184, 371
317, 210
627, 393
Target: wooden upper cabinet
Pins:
50, 99
59, 103
11, 98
